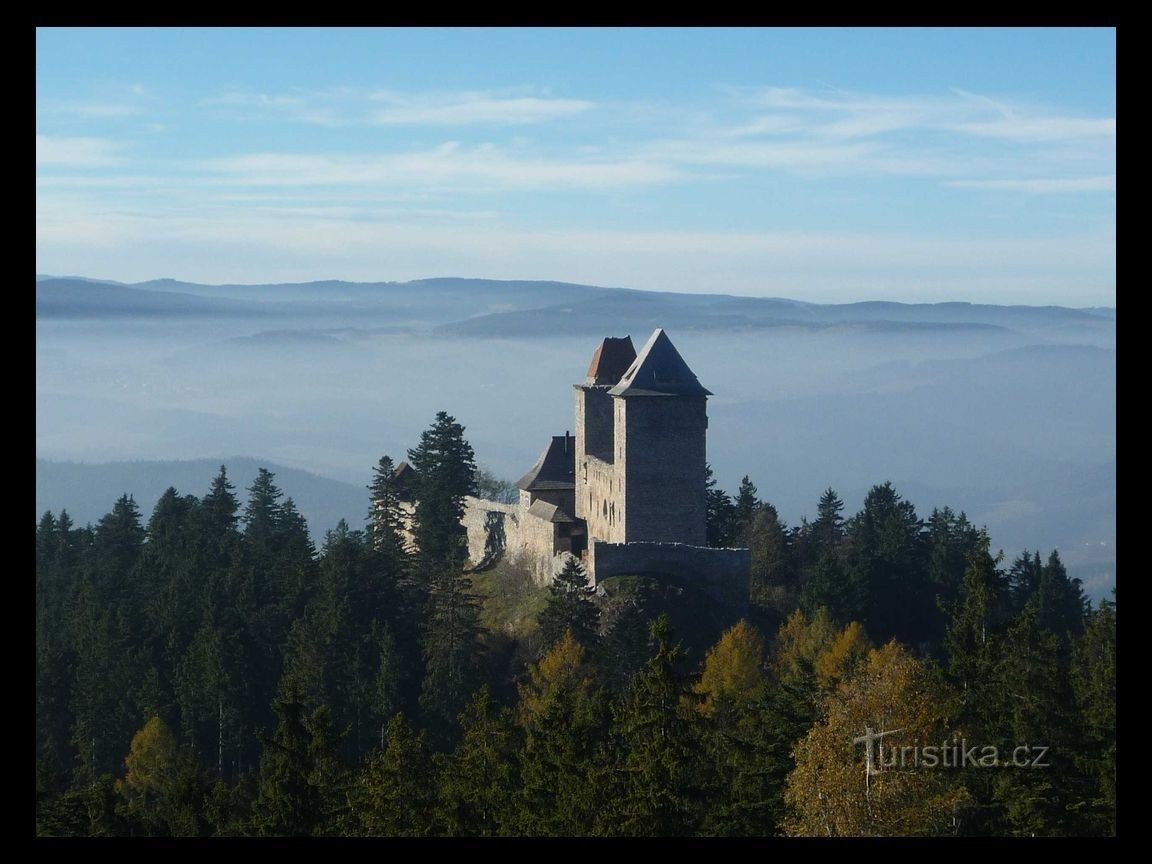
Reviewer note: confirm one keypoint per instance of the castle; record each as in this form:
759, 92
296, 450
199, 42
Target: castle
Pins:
627, 493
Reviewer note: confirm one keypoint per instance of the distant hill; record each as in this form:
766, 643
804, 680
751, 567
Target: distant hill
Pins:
82, 298
457, 307
88, 490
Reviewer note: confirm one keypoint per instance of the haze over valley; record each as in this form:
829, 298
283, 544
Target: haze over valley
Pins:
1006, 412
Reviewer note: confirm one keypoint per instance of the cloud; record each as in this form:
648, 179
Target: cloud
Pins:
483, 166
302, 107
473, 109
1041, 185
351, 106
75, 152
111, 103
1040, 128
98, 109
245, 244
844, 114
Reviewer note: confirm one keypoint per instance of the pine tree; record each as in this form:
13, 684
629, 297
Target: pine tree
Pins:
720, 512
445, 468
834, 586
477, 781
262, 512
623, 650
1035, 705
1023, 581
1061, 606
655, 736
564, 722
886, 559
745, 506
828, 529
394, 794
570, 607
385, 517
744, 755
1094, 684
385, 697
451, 651
975, 621
772, 576
951, 540
288, 803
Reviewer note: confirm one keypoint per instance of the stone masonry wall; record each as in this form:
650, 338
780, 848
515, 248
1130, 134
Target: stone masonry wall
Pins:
501, 532
660, 449
722, 571
603, 499
506, 532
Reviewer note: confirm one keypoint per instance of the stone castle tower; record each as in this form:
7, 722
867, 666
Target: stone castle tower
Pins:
626, 494
641, 424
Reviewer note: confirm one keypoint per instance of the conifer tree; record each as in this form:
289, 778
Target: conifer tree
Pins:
570, 607
385, 517
477, 782
394, 794
288, 803
655, 738
451, 651
445, 468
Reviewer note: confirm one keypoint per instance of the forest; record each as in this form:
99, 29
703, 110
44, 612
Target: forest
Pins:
206, 670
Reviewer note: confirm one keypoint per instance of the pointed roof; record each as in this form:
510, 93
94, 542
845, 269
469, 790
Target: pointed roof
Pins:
659, 370
404, 480
555, 469
612, 358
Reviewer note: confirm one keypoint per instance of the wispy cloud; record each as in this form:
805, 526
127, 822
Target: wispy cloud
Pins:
111, 103
844, 114
98, 109
75, 152
467, 109
484, 166
351, 106
1041, 185
335, 242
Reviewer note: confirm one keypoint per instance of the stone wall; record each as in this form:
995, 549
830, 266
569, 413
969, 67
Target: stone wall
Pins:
594, 427
501, 532
723, 572
660, 450
600, 497
505, 532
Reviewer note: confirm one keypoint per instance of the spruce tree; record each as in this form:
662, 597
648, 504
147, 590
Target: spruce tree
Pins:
445, 468
451, 651
385, 517
655, 738
570, 607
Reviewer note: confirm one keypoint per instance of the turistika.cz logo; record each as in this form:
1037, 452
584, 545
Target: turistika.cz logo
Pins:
879, 756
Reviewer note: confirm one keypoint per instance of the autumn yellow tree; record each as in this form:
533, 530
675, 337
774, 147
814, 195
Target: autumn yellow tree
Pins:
815, 653
562, 762
742, 748
160, 785
829, 793
734, 670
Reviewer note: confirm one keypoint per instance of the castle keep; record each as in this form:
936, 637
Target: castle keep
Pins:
626, 493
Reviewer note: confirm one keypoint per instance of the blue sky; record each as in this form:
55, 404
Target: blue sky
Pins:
824, 165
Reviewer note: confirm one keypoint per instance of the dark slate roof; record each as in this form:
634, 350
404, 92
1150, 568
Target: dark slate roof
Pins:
548, 512
659, 370
404, 479
612, 358
556, 467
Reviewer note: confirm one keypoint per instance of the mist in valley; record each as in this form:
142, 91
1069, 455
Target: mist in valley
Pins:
1007, 415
